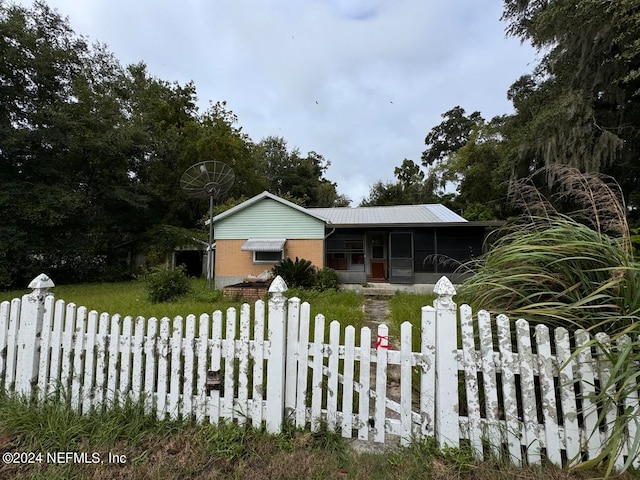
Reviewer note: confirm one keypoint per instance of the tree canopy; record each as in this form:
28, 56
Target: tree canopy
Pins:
412, 186
581, 104
91, 153
579, 107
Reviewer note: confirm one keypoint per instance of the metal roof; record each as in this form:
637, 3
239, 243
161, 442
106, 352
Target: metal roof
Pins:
427, 214
264, 245
434, 214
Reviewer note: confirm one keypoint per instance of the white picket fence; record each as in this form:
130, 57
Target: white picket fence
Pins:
527, 398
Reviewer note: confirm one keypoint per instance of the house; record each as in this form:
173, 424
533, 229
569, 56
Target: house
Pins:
397, 244
256, 234
410, 244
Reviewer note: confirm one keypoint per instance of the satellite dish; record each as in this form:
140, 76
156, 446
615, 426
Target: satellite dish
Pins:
208, 180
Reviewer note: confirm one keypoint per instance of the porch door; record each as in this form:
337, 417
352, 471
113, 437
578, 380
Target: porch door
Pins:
401, 257
377, 254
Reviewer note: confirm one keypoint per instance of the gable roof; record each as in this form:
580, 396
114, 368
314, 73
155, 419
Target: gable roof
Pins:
396, 215
262, 196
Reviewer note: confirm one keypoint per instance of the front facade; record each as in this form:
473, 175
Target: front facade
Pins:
407, 244
255, 235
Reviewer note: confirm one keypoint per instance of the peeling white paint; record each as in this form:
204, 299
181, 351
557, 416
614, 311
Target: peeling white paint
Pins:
345, 382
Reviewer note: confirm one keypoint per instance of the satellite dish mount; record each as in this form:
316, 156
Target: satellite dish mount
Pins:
208, 180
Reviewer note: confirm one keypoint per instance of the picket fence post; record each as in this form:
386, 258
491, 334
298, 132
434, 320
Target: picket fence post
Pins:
446, 395
277, 327
32, 310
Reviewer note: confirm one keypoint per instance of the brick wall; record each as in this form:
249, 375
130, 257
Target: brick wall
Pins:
255, 293
231, 261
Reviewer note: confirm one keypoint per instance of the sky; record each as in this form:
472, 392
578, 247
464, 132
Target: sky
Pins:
360, 82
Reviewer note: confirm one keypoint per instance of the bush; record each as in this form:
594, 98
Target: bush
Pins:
298, 273
165, 285
326, 279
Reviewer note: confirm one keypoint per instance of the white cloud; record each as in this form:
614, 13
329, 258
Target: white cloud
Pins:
382, 71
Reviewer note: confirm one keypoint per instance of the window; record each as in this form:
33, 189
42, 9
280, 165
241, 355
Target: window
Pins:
265, 250
267, 257
345, 252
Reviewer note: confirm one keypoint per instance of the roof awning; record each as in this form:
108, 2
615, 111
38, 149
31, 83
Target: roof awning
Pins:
264, 245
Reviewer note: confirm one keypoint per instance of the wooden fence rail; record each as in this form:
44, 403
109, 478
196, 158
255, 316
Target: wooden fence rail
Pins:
501, 387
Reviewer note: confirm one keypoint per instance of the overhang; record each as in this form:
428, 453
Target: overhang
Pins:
263, 245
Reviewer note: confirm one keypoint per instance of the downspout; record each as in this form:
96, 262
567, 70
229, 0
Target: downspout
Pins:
330, 233
324, 246
435, 249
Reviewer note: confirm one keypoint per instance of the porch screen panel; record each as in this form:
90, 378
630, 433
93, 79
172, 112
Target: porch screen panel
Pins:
425, 250
345, 252
401, 257
457, 246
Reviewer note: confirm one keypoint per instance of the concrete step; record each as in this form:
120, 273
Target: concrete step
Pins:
387, 289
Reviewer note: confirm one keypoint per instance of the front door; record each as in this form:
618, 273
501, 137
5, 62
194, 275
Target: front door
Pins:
377, 254
401, 257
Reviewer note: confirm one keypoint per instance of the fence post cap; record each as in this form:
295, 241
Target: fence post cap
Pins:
444, 287
278, 286
42, 281
41, 285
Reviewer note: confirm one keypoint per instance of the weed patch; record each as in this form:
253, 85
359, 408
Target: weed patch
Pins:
155, 449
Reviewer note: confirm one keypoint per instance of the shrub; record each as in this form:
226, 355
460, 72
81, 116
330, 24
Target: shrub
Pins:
296, 273
165, 285
326, 279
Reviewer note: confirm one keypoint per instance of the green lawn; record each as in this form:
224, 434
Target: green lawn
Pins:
130, 298
406, 306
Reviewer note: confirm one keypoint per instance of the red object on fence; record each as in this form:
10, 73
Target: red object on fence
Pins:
383, 342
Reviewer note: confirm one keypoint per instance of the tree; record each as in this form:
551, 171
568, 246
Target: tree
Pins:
65, 148
472, 154
450, 135
412, 187
287, 172
586, 87
91, 154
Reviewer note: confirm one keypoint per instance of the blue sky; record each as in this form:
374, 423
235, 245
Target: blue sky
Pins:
359, 81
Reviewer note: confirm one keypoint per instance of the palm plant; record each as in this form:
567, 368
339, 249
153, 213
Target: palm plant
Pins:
296, 273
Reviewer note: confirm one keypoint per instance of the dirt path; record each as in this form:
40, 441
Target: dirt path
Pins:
376, 311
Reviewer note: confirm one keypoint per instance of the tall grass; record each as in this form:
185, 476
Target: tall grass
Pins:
568, 260
575, 270
156, 449
407, 307
346, 306
130, 298
51, 424
559, 272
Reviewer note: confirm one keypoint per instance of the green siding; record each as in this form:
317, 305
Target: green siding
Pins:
268, 218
